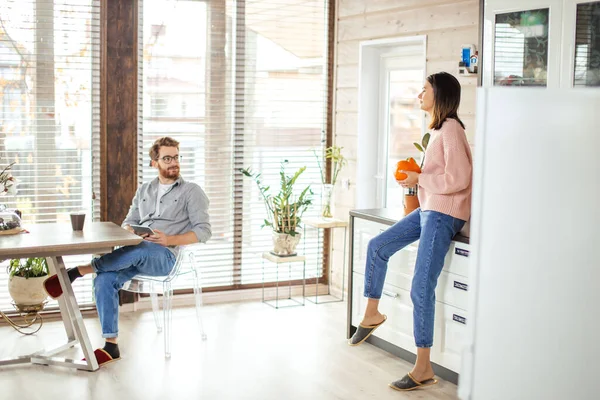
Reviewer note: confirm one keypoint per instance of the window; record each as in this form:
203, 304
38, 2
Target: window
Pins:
521, 48
253, 81
49, 124
405, 123
587, 45
391, 76
158, 107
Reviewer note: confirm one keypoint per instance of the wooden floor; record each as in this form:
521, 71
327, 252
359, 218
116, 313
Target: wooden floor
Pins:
252, 352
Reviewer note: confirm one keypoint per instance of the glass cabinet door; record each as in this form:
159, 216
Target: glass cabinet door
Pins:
521, 48
522, 43
586, 66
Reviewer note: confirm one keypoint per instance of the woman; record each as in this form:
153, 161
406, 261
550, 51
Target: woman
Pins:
445, 199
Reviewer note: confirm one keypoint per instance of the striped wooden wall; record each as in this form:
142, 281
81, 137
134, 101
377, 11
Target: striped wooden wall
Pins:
447, 24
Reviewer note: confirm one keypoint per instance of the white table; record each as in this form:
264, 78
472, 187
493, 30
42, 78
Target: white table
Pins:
53, 241
326, 223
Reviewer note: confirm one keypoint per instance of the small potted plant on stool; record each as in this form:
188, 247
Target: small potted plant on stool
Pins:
284, 210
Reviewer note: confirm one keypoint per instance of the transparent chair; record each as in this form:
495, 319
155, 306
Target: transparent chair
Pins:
155, 285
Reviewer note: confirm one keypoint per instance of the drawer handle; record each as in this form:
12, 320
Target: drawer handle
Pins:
459, 319
391, 294
461, 286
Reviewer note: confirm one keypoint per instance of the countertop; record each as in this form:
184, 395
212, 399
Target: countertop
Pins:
390, 216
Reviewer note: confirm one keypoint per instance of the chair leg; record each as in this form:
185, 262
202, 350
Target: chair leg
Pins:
198, 297
156, 311
167, 310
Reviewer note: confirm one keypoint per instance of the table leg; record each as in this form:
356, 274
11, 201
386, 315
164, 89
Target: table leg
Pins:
66, 318
73, 322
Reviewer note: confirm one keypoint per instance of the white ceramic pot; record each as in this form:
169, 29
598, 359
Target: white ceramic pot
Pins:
284, 244
27, 291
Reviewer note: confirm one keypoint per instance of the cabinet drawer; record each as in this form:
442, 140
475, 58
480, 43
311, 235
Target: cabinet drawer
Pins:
396, 304
457, 259
450, 328
401, 267
449, 336
364, 230
452, 289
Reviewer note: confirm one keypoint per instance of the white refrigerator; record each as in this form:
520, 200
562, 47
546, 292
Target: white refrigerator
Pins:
535, 234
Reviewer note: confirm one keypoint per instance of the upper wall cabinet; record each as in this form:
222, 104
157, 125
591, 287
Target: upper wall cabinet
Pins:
546, 43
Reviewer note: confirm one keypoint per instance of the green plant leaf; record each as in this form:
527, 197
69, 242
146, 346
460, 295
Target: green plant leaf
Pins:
425, 140
29, 268
283, 209
418, 146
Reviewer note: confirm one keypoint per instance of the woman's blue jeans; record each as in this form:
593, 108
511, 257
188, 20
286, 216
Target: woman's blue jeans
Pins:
434, 231
116, 268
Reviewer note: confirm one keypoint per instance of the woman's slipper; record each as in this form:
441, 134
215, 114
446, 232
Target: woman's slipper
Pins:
103, 358
52, 287
409, 383
363, 332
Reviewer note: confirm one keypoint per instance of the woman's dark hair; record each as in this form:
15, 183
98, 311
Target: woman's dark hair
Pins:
446, 99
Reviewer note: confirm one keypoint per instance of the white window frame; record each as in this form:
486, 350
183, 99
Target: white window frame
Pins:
568, 40
376, 57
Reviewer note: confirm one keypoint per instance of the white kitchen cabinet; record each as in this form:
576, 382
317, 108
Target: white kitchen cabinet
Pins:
451, 293
547, 43
395, 303
450, 335
452, 289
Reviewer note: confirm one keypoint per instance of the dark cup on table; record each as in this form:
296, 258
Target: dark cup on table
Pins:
77, 220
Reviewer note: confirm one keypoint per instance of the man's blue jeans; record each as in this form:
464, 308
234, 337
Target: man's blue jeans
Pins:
434, 231
118, 267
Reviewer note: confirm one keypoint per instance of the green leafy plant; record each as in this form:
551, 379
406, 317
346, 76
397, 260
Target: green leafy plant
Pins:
422, 147
284, 210
33, 267
7, 181
333, 153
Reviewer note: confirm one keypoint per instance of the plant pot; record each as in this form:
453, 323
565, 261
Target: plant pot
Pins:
411, 203
27, 291
284, 244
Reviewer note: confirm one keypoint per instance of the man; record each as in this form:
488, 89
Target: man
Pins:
176, 210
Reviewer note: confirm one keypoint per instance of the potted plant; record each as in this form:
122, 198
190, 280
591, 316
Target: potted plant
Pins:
411, 199
10, 222
8, 184
333, 153
26, 278
284, 210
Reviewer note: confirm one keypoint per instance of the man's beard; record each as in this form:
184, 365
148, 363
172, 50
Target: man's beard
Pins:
169, 173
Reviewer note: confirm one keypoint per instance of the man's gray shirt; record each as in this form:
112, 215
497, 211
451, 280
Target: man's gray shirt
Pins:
183, 208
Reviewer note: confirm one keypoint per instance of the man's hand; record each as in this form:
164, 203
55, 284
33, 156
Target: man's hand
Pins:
159, 237
130, 229
411, 180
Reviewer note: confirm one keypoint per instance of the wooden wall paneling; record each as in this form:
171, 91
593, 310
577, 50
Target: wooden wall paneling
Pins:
118, 107
447, 24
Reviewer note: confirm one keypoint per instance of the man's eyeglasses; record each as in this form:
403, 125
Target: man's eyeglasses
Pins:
170, 159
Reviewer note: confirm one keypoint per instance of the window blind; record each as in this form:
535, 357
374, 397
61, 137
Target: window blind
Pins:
49, 114
239, 84
587, 45
521, 48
